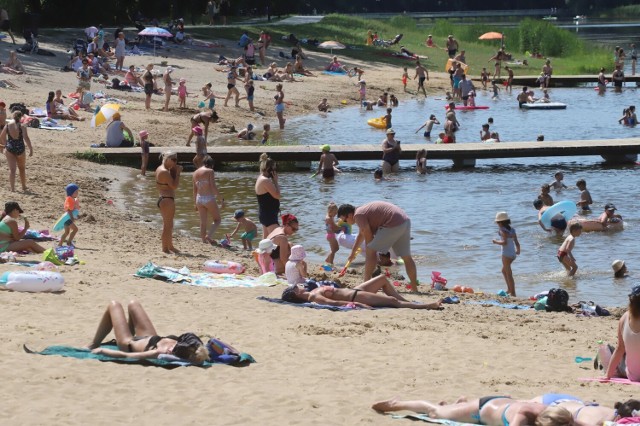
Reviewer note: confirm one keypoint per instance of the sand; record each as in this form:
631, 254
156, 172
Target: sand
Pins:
314, 367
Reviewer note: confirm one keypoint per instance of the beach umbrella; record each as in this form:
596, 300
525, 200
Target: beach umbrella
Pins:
104, 114
155, 32
492, 35
330, 44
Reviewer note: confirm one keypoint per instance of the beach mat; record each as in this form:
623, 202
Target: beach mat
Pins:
425, 418
333, 73
166, 361
208, 280
308, 305
498, 304
617, 380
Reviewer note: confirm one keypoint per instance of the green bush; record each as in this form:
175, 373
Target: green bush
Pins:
402, 22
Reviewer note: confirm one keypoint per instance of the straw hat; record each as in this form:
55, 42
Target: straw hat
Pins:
390, 131
266, 246
502, 216
617, 265
297, 253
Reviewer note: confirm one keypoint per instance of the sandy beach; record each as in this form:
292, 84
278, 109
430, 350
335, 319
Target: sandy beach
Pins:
313, 367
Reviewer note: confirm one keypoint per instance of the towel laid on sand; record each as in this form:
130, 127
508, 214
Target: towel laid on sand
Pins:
309, 305
428, 419
617, 380
498, 304
164, 361
209, 280
333, 73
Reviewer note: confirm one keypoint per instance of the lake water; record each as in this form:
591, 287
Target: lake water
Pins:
452, 211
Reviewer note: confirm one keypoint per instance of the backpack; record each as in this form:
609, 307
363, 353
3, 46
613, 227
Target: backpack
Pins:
19, 106
558, 300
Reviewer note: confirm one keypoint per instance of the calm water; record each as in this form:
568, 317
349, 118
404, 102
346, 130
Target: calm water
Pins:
452, 212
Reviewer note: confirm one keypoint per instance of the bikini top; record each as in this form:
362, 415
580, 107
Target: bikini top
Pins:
153, 341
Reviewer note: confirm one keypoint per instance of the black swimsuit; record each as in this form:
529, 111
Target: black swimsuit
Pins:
268, 209
355, 293
15, 146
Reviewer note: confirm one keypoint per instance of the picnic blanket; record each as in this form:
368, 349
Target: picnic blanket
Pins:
308, 304
425, 418
209, 280
498, 304
164, 361
617, 380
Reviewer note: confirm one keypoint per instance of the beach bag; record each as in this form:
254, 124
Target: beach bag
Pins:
558, 300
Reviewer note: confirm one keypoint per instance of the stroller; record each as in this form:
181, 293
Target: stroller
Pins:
387, 43
80, 46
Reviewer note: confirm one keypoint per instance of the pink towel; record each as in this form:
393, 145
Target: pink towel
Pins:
618, 380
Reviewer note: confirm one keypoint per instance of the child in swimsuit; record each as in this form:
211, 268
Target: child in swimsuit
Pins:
585, 196
428, 125
144, 147
71, 203
201, 147
332, 229
565, 253
265, 133
558, 184
182, 93
510, 248
405, 76
328, 163
250, 229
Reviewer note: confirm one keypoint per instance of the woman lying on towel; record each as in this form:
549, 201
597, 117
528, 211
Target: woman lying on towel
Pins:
503, 411
138, 338
490, 410
363, 296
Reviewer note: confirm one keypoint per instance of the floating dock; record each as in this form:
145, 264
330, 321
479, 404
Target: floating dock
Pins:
462, 154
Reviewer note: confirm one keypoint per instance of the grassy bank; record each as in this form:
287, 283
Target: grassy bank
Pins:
622, 12
569, 54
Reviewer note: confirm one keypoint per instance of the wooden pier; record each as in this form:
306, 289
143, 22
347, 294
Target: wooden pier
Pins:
569, 80
462, 154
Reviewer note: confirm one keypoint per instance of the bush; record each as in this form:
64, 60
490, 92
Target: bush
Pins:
547, 39
402, 22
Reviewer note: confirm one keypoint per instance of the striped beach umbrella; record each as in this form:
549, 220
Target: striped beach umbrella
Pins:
104, 114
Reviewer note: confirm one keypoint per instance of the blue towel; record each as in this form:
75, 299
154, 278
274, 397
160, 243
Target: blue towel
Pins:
307, 304
168, 361
333, 73
498, 304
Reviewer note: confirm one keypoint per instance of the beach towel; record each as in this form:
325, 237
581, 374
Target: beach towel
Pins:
38, 112
617, 380
48, 125
164, 361
209, 280
498, 304
309, 305
426, 418
333, 73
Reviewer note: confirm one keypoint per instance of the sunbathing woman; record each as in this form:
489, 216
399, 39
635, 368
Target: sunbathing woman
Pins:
489, 410
137, 338
14, 66
300, 69
273, 74
363, 296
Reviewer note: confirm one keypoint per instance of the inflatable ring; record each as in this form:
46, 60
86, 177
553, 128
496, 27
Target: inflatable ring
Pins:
223, 267
566, 208
32, 281
378, 123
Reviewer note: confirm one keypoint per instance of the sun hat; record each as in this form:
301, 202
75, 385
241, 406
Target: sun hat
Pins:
197, 130
610, 206
362, 82
266, 246
183, 80
390, 131
143, 134
326, 147
502, 216
71, 188
238, 214
297, 253
617, 265
169, 69
11, 206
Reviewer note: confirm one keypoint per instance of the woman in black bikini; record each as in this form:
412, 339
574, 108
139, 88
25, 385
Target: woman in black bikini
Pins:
147, 77
363, 296
167, 181
137, 338
13, 137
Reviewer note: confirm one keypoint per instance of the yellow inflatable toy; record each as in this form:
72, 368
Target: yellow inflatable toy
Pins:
378, 123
